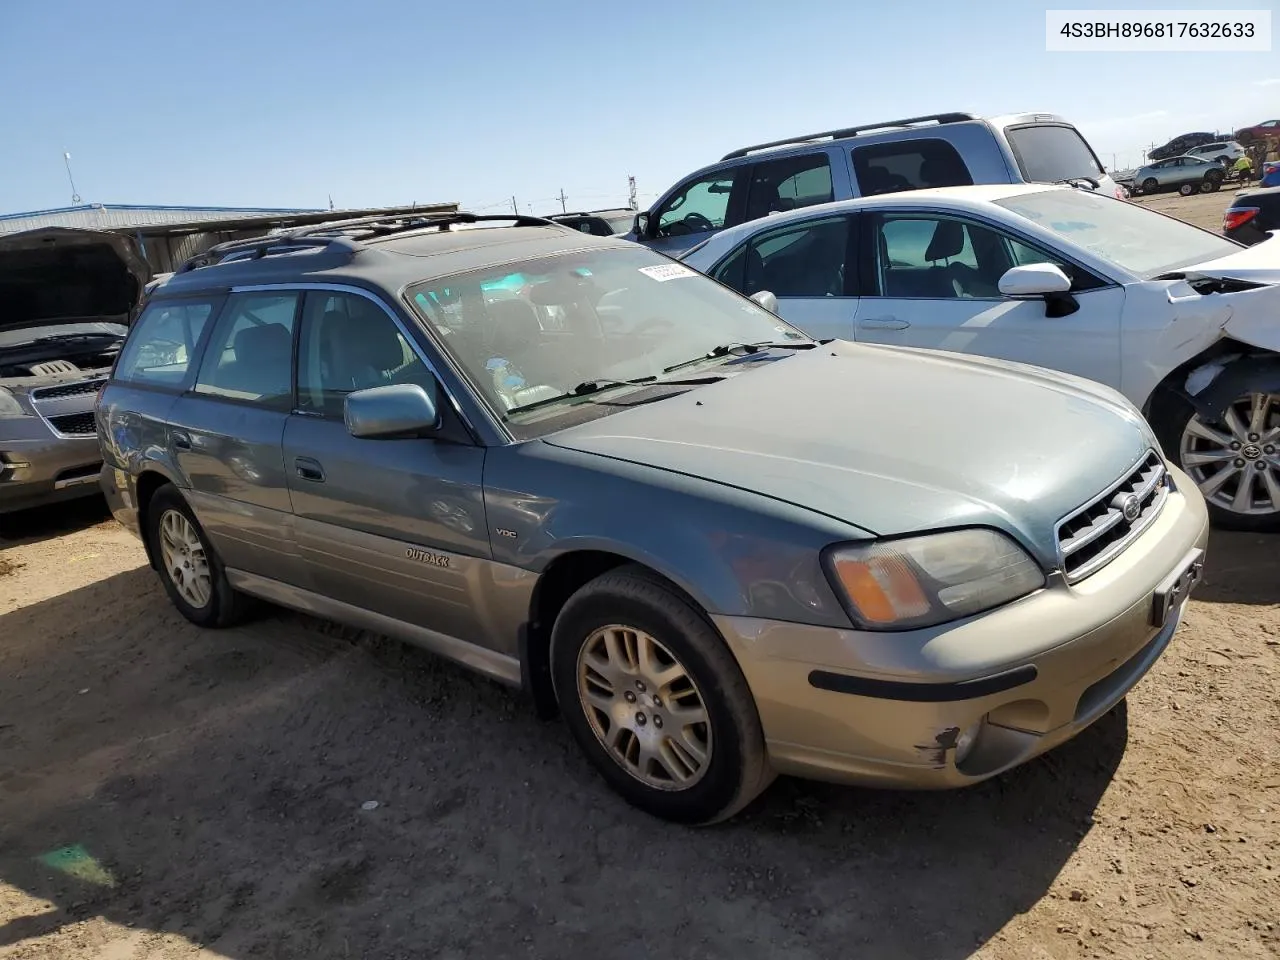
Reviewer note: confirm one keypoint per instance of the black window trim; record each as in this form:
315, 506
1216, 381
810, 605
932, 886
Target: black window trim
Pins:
868, 244
216, 298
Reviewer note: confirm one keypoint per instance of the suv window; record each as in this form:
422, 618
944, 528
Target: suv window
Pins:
908, 165
1047, 153
789, 183
349, 343
250, 355
163, 341
698, 206
800, 260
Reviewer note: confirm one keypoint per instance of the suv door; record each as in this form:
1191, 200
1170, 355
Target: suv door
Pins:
808, 266
696, 209
929, 280
396, 527
225, 434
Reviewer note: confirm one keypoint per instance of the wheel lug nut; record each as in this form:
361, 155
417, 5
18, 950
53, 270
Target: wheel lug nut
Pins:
657, 722
640, 686
631, 697
1260, 465
1268, 449
657, 702
1239, 461
1253, 438
640, 719
1235, 444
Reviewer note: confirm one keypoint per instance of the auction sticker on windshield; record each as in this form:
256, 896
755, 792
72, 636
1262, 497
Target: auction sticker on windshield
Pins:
667, 271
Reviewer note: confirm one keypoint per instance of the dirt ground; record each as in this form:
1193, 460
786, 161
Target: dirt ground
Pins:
1202, 209
167, 792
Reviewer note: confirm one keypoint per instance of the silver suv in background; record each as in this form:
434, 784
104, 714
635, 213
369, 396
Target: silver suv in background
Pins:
941, 150
65, 300
608, 485
1185, 174
1225, 152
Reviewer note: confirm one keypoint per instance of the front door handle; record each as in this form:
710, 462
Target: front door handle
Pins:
309, 469
181, 441
884, 323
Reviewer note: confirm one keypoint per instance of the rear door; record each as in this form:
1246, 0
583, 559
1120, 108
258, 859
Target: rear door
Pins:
225, 434
809, 266
931, 280
396, 527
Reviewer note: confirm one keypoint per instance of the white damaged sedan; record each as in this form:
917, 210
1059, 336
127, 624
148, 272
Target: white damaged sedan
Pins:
1183, 322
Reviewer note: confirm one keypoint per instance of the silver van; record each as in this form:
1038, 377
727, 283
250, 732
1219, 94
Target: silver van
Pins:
941, 150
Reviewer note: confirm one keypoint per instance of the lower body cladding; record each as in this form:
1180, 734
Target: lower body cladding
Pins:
38, 472
957, 704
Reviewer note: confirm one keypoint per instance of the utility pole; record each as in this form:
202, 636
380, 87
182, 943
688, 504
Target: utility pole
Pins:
631, 188
75, 197
514, 208
562, 198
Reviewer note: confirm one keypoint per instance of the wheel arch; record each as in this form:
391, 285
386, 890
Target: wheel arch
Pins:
145, 486
1211, 379
562, 577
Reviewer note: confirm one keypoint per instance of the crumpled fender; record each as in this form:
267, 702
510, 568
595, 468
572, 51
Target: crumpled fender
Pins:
1212, 386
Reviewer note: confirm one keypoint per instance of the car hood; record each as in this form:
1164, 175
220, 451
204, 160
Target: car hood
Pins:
61, 275
891, 440
1259, 263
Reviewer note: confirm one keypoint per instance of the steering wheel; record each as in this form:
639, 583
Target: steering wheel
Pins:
697, 222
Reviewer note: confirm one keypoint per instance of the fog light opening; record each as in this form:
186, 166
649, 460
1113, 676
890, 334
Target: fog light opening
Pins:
968, 739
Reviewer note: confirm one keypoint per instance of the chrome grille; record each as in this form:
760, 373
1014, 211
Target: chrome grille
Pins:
1099, 531
79, 388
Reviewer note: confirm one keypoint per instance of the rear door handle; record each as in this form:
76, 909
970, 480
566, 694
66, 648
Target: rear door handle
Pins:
181, 441
884, 323
309, 469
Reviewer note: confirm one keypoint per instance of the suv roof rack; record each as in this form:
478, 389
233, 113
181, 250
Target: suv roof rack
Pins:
852, 132
344, 235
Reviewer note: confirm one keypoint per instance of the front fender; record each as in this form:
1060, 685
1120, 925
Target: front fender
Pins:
734, 552
1256, 373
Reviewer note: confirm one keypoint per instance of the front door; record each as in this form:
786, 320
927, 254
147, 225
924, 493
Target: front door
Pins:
225, 433
392, 526
932, 281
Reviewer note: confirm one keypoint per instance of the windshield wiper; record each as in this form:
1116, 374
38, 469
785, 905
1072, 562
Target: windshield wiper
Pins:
75, 337
727, 348
586, 388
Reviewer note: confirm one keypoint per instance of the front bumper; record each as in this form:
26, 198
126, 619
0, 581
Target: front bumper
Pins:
34, 472
887, 709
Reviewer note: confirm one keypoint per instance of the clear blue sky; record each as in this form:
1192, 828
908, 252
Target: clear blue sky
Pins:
278, 103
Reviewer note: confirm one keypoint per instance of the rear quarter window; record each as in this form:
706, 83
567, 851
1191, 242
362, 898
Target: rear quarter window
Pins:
908, 165
1047, 153
163, 341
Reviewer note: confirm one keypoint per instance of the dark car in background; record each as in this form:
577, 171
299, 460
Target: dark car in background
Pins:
1180, 145
65, 301
1251, 215
599, 223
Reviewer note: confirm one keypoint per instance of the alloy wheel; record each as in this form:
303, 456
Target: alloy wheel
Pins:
1236, 461
184, 557
644, 708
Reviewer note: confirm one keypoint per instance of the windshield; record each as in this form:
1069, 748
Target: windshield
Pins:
23, 335
1136, 238
534, 330
1048, 153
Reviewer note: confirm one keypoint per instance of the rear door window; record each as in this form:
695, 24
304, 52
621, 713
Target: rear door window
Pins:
250, 355
789, 183
908, 165
1049, 152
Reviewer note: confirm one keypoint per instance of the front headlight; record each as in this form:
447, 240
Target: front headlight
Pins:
922, 581
10, 408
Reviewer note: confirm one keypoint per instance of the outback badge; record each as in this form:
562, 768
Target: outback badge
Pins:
425, 556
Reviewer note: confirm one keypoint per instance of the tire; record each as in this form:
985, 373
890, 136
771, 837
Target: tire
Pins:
1208, 186
224, 606
679, 639
1150, 185
1171, 418
1187, 189
1214, 176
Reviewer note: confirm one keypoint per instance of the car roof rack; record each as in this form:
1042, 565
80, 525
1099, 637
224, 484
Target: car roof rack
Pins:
345, 235
851, 132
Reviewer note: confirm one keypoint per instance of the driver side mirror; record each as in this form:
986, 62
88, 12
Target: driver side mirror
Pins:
1040, 280
392, 412
766, 299
641, 225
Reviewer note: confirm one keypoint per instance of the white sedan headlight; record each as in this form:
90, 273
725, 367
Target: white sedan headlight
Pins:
922, 581
10, 408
